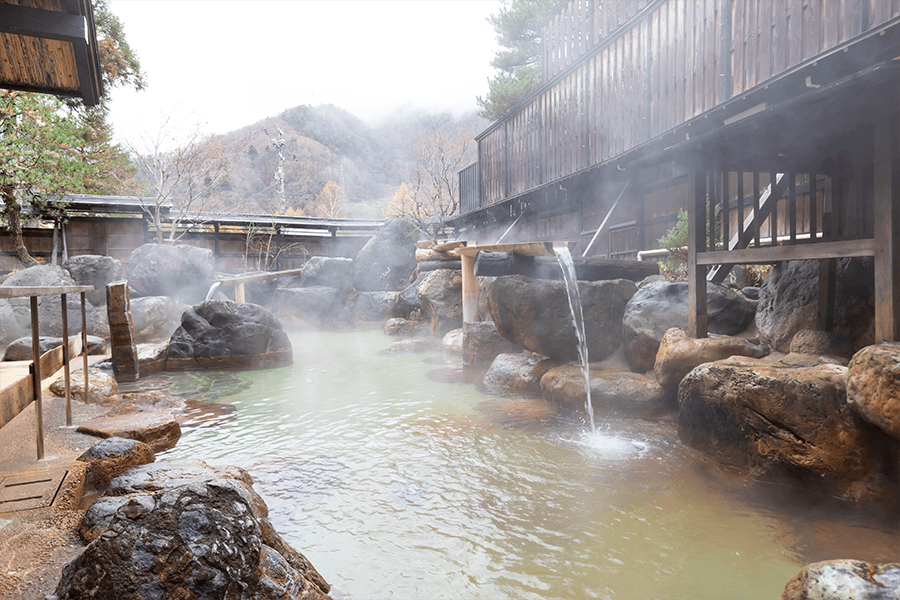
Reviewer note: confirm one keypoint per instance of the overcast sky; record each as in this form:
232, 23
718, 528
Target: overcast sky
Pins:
227, 64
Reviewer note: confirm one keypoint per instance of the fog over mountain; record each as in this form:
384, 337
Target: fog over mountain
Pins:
315, 145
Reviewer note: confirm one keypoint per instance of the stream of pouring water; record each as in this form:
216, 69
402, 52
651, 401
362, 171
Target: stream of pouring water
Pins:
212, 290
568, 269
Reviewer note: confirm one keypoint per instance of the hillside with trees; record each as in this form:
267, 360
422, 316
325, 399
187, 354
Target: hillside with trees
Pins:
321, 161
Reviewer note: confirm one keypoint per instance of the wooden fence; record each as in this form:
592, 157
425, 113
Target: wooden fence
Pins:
623, 72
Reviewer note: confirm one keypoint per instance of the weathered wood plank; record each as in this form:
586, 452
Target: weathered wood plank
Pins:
771, 254
697, 323
887, 237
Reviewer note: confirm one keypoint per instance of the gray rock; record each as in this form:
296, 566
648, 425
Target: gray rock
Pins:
482, 343
21, 348
49, 307
660, 305
90, 269
222, 333
752, 292
387, 261
845, 580
534, 314
831, 343
788, 301
112, 457
440, 294
328, 272
10, 328
408, 300
103, 387
403, 327
374, 307
223, 549
316, 305
181, 272
155, 318
520, 372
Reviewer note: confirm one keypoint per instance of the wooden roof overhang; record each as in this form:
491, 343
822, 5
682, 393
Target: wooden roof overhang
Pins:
50, 46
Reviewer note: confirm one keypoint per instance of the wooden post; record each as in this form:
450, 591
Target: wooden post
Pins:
65, 332
84, 347
239, 292
887, 239
469, 289
36, 379
697, 222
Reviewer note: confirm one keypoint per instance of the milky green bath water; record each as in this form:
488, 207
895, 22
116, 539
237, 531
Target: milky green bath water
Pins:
397, 486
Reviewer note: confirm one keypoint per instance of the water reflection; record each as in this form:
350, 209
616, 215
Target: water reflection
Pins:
395, 485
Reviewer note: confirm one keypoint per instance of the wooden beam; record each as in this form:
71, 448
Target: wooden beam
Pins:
697, 326
773, 254
887, 238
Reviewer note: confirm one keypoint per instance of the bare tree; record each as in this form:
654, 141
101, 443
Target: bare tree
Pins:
434, 195
183, 179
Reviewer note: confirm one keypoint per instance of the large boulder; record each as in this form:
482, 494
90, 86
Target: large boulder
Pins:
612, 391
154, 318
21, 349
482, 343
200, 540
779, 421
534, 314
222, 333
873, 386
91, 269
828, 343
10, 327
374, 308
408, 300
844, 580
679, 353
49, 307
182, 272
520, 372
388, 260
328, 272
440, 294
788, 301
660, 305
155, 426
315, 306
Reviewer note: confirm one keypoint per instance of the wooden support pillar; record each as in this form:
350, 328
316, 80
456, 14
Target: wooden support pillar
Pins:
66, 373
84, 346
697, 229
469, 289
36, 379
887, 237
239, 293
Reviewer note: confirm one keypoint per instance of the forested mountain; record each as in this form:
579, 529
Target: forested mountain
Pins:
331, 163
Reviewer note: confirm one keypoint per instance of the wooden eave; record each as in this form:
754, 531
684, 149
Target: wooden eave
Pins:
50, 46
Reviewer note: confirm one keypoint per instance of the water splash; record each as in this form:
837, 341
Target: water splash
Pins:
212, 290
568, 269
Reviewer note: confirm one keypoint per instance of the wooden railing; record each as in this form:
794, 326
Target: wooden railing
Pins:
623, 72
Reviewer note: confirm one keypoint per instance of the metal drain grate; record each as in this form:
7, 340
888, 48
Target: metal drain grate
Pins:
32, 490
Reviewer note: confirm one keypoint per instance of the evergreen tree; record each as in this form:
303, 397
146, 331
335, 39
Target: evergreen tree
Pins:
519, 61
50, 146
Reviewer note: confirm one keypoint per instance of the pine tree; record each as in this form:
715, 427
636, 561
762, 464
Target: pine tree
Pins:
519, 61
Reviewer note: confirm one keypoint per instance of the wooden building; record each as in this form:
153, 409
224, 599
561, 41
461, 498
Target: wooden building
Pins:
116, 225
773, 122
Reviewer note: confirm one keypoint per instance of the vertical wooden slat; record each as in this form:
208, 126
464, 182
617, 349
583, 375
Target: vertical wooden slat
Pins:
726, 210
832, 23
795, 32
739, 35
756, 222
773, 218
697, 326
779, 36
813, 199
689, 50
792, 206
764, 19
711, 200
